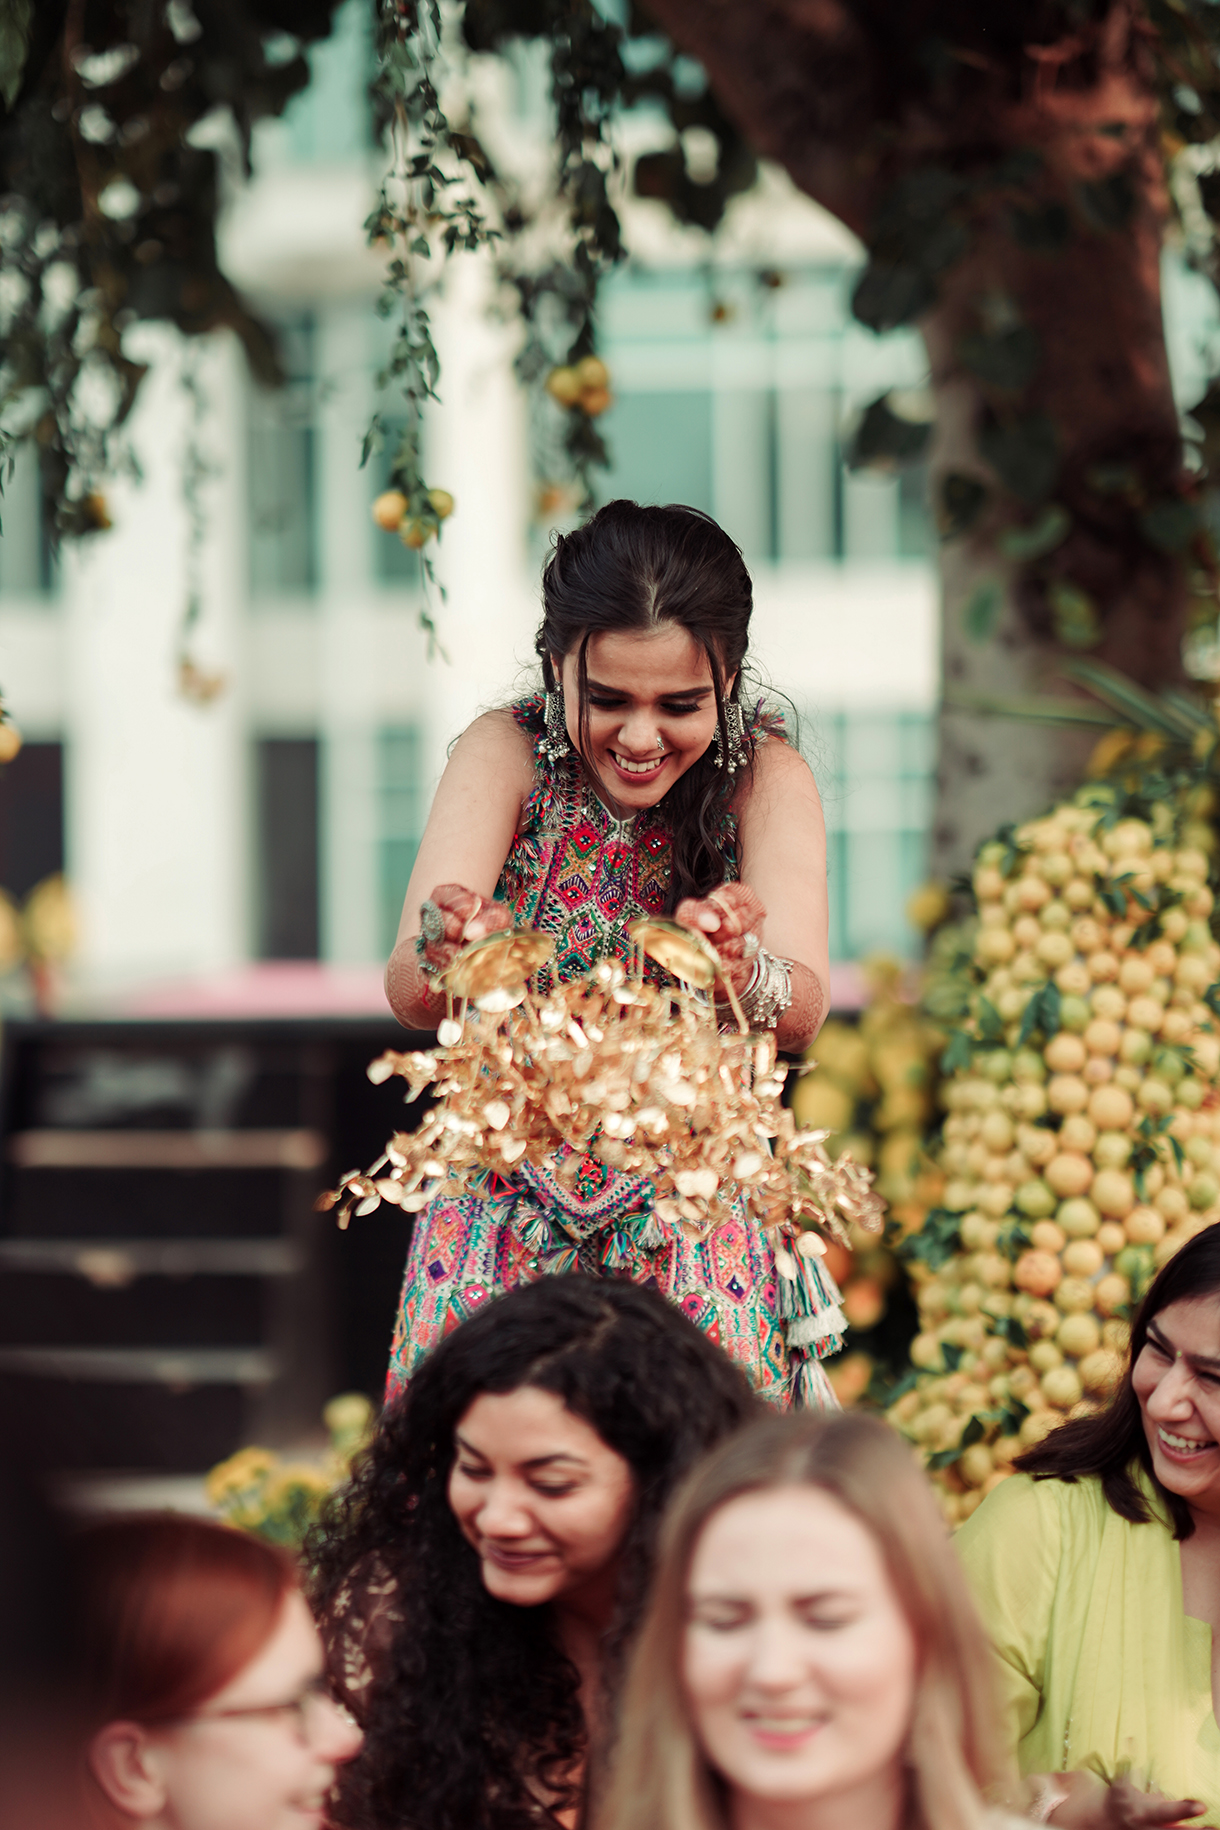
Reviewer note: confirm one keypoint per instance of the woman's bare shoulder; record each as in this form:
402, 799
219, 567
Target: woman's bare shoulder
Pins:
496, 739
779, 774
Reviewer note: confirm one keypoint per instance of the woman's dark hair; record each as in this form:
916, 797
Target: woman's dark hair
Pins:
1107, 1443
471, 1710
637, 568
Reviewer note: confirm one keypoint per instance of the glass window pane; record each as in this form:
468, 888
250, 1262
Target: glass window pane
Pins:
25, 560
400, 823
661, 447
287, 778
282, 485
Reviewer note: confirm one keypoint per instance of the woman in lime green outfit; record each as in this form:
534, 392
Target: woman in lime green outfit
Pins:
1096, 1569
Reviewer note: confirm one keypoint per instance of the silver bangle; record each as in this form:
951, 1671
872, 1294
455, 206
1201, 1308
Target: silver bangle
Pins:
769, 992
431, 933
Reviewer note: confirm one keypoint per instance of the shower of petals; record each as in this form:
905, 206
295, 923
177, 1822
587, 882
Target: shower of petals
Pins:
636, 1075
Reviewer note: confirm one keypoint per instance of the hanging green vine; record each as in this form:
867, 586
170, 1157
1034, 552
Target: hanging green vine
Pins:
108, 210
446, 193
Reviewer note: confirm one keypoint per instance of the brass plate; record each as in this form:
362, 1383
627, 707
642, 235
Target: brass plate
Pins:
688, 956
499, 962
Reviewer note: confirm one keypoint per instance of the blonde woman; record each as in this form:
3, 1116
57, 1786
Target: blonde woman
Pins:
810, 1659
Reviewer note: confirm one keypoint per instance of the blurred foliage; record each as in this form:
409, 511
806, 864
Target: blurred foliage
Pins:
971, 149
257, 1490
985, 156
110, 184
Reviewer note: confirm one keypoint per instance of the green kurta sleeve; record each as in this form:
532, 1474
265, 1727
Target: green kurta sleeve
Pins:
1010, 1549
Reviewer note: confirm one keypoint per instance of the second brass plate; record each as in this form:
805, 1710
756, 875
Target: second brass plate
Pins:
499, 962
688, 956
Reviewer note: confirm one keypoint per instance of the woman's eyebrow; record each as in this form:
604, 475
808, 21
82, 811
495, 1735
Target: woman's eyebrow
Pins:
1167, 1347
726, 1598
677, 692
545, 1461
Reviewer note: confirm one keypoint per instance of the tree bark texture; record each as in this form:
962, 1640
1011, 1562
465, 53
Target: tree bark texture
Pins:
835, 94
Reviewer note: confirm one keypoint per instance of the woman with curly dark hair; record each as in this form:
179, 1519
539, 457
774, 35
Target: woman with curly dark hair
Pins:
479, 1581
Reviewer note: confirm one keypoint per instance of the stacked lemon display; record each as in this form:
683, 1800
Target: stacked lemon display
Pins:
1082, 1132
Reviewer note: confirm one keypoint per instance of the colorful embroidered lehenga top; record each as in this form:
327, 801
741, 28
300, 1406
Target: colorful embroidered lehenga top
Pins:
576, 871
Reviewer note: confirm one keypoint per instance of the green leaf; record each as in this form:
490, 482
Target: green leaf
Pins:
974, 1432
1037, 537
1013, 1415
1052, 1006
1136, 706
1007, 360
1013, 1239
1127, 883
16, 17
1024, 453
889, 294
1170, 525
962, 500
959, 1053
1042, 1012
937, 1240
1076, 622
951, 1355
1011, 1330
991, 1023
885, 440
982, 611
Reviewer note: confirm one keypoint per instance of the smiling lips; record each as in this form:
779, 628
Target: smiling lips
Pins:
782, 1733
631, 767
513, 1560
1182, 1448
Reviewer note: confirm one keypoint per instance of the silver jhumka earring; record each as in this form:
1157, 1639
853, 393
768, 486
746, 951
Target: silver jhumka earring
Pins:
556, 743
735, 724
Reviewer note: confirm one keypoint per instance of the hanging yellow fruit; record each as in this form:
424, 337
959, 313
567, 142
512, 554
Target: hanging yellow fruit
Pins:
389, 509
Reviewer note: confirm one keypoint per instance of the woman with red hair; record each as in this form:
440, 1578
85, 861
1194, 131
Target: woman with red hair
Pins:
206, 1705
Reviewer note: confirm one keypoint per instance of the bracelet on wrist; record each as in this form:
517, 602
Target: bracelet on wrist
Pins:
768, 993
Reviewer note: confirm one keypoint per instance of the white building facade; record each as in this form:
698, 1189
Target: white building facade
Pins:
278, 818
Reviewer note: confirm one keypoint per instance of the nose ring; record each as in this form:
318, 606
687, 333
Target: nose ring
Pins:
660, 741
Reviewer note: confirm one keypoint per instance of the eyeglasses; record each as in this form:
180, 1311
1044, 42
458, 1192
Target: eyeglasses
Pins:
309, 1710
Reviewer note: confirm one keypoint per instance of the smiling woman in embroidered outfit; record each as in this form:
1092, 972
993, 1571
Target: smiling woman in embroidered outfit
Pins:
1097, 1573
642, 782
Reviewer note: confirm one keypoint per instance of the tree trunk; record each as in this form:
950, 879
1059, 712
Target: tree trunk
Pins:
1104, 382
811, 84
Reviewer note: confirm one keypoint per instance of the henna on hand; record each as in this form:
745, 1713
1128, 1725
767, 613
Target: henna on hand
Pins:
800, 1023
467, 916
726, 913
415, 1001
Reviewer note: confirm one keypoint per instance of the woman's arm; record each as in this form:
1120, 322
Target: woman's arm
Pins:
466, 840
783, 864
1011, 1550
